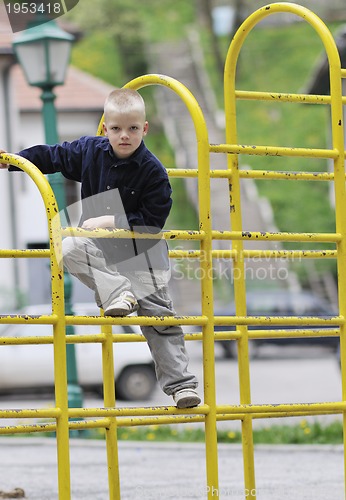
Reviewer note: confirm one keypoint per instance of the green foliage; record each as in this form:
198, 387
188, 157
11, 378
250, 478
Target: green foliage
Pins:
156, 20
130, 25
183, 214
302, 433
281, 59
97, 55
305, 432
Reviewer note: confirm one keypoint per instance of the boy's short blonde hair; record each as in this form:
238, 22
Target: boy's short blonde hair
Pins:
124, 101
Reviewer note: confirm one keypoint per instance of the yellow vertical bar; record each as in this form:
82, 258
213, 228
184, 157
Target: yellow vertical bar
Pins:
238, 266
59, 344
206, 264
58, 309
338, 144
203, 149
60, 363
340, 203
110, 402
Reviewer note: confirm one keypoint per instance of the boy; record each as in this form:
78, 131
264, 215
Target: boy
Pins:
124, 186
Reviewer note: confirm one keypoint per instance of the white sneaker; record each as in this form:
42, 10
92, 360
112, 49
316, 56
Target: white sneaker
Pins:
186, 398
123, 305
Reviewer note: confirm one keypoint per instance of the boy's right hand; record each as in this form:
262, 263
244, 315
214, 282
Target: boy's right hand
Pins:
3, 165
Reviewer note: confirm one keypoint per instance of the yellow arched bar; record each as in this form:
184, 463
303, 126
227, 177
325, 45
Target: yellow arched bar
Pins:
205, 226
205, 236
236, 219
110, 417
57, 319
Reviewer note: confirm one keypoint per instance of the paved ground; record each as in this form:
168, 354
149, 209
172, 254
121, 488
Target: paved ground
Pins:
177, 471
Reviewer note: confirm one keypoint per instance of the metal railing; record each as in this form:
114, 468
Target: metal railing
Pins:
110, 417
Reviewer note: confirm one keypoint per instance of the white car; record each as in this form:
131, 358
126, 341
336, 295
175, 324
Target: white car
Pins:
31, 367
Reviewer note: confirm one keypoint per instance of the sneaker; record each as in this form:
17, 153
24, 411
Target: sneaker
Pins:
123, 305
186, 398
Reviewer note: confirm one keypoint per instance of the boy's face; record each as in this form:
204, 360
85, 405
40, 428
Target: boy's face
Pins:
125, 131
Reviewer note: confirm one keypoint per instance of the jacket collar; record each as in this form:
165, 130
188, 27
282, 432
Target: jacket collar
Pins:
136, 157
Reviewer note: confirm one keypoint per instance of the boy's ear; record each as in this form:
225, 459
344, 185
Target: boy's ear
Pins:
104, 128
146, 128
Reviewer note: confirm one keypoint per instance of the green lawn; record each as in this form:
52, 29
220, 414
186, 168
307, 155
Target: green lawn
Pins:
302, 432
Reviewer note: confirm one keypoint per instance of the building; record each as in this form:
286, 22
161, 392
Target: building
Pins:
79, 104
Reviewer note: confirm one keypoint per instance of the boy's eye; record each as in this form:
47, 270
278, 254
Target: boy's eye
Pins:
134, 127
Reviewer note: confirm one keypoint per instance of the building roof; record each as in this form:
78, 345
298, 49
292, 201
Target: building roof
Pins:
81, 92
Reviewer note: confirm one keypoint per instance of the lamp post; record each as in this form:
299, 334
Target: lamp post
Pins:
43, 51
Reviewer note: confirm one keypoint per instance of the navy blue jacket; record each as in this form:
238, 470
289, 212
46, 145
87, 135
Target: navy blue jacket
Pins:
136, 190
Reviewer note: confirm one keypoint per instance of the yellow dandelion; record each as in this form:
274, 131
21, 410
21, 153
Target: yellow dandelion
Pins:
303, 423
231, 435
150, 436
307, 430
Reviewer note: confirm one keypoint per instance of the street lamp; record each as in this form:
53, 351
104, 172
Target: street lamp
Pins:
43, 51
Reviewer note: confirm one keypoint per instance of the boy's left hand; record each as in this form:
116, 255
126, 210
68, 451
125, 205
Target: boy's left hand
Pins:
103, 222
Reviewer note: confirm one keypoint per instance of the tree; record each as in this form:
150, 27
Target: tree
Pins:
206, 10
119, 20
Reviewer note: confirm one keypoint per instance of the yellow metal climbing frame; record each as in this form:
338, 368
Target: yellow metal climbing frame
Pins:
110, 417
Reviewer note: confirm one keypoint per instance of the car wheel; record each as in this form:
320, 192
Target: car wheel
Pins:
136, 383
230, 349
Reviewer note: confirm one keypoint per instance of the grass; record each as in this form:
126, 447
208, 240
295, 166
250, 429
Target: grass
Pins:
302, 433
281, 59
305, 432
102, 59
169, 20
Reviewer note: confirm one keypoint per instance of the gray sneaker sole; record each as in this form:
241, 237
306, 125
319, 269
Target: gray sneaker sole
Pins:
188, 402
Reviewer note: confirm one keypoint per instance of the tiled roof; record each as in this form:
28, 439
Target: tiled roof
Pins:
81, 91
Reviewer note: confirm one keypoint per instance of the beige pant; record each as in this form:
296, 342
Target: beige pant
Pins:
83, 259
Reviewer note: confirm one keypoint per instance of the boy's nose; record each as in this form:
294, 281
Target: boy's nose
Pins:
124, 134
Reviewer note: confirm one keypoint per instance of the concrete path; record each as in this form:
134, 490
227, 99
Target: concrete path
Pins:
177, 471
